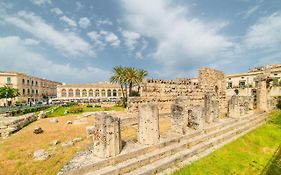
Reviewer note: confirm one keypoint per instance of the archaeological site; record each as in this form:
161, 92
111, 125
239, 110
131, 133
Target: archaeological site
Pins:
201, 118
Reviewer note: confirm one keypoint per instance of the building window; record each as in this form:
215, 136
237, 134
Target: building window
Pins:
84, 93
23, 91
97, 93
28, 91
103, 93
32, 82
63, 93
242, 77
109, 93
114, 93
91, 93
36, 91
275, 74
9, 80
28, 82
70, 93
32, 91
36, 83
23, 81
229, 78
242, 84
77, 93
229, 85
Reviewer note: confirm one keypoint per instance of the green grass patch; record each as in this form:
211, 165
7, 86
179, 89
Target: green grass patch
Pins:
62, 111
249, 154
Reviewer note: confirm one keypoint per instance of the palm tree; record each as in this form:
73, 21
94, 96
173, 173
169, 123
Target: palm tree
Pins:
141, 74
119, 77
127, 77
131, 78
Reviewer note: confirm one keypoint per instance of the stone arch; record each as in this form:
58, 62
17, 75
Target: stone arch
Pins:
103, 93
84, 93
70, 93
114, 93
109, 92
63, 93
91, 93
97, 92
77, 93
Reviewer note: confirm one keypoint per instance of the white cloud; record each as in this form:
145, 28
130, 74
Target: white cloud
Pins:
16, 55
31, 42
41, 2
131, 39
57, 11
182, 40
84, 22
104, 22
97, 39
66, 42
68, 21
111, 38
265, 33
139, 54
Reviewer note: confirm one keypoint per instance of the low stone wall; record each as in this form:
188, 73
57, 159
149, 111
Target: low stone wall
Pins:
9, 125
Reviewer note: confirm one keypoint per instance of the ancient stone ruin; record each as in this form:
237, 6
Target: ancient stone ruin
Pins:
201, 119
107, 136
148, 125
179, 116
196, 118
211, 107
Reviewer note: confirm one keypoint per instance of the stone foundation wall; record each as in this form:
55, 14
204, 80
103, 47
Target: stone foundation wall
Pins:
9, 125
191, 91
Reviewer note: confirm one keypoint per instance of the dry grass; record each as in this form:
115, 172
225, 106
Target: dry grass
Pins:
16, 151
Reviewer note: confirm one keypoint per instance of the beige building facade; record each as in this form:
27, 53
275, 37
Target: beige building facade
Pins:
31, 88
245, 83
88, 92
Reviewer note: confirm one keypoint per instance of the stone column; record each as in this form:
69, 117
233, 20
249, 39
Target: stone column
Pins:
211, 107
195, 118
148, 129
179, 117
262, 95
107, 136
234, 107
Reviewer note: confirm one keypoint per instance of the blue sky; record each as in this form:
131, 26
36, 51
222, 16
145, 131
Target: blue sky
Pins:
80, 41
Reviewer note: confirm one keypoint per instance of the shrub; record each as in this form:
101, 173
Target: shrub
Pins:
69, 104
75, 109
97, 106
89, 106
106, 108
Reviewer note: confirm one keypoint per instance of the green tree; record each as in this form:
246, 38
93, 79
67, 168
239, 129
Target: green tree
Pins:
127, 77
8, 92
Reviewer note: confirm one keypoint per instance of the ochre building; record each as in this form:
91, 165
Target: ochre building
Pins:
88, 92
30, 88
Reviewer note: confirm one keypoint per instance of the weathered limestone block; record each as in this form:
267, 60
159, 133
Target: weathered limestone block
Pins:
211, 107
179, 117
107, 136
262, 94
234, 107
239, 106
148, 129
196, 118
